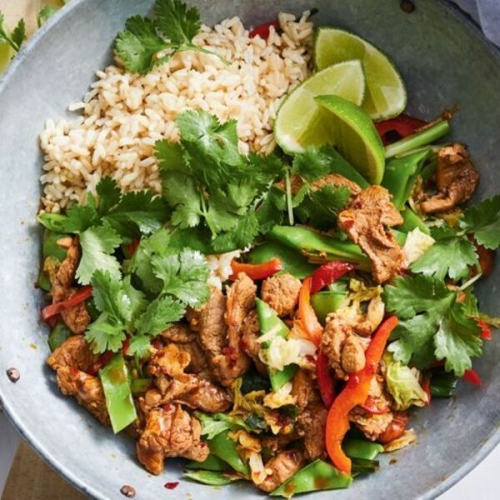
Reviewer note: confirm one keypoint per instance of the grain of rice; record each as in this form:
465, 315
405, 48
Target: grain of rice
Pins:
123, 115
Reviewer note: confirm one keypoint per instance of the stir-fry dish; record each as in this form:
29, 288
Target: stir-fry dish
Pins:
255, 261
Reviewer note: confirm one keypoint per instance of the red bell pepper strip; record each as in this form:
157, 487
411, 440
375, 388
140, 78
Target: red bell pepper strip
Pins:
325, 381
472, 377
327, 273
355, 393
52, 310
263, 30
485, 330
256, 271
309, 321
402, 125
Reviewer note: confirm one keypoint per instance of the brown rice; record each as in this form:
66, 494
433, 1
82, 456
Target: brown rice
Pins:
124, 114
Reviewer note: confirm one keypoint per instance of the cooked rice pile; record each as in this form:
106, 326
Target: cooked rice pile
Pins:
124, 114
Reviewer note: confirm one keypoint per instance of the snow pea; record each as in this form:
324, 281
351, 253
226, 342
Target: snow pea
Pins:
422, 138
400, 176
270, 322
316, 476
50, 250
223, 447
293, 262
115, 381
211, 463
58, 335
212, 478
362, 449
443, 385
412, 221
319, 246
326, 302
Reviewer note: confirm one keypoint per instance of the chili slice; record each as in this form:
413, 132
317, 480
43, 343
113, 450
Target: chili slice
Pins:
327, 273
52, 310
472, 376
256, 271
354, 393
325, 382
264, 29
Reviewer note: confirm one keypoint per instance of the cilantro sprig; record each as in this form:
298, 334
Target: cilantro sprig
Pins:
18, 35
105, 222
146, 43
433, 326
210, 186
454, 253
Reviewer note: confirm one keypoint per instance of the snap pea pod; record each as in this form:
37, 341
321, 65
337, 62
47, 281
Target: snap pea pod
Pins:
361, 449
400, 175
212, 478
223, 447
319, 246
412, 221
211, 463
115, 381
316, 476
58, 335
269, 322
326, 302
50, 250
419, 139
293, 262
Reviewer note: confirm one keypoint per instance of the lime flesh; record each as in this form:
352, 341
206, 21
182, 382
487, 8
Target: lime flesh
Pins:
385, 90
300, 122
355, 136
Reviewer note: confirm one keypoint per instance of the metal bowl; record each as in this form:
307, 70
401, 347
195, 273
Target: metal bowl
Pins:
445, 62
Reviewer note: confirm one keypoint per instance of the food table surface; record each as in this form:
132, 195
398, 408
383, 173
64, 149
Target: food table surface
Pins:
21, 482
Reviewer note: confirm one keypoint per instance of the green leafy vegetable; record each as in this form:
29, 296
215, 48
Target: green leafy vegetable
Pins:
146, 43
45, 13
403, 384
434, 325
483, 221
18, 35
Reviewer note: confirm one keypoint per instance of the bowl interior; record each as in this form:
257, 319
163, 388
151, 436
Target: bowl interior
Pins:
444, 62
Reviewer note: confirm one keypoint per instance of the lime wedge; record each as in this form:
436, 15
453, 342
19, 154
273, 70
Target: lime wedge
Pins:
355, 136
385, 90
300, 122
5, 55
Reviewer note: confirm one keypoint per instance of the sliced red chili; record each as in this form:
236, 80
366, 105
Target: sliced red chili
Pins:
325, 381
327, 273
472, 377
52, 310
398, 128
485, 330
256, 271
264, 29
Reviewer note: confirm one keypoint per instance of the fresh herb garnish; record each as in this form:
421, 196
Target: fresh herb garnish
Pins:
146, 43
454, 253
434, 325
18, 35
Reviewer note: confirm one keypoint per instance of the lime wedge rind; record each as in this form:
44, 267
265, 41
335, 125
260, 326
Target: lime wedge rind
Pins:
356, 137
300, 122
386, 95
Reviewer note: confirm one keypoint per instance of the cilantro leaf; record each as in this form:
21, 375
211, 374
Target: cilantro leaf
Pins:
141, 263
159, 315
138, 45
98, 244
173, 27
181, 193
450, 255
212, 146
176, 22
77, 219
483, 220
433, 325
140, 209
240, 236
109, 195
17, 36
312, 164
457, 340
184, 276
105, 334
139, 346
